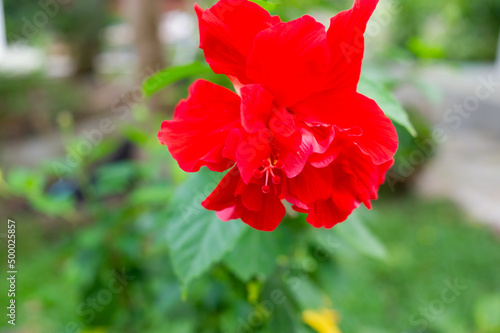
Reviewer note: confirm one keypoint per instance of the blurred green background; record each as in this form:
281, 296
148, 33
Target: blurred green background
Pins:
110, 234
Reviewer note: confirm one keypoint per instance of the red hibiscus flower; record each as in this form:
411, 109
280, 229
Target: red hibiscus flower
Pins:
296, 129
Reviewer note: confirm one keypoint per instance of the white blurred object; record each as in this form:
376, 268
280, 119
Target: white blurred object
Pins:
116, 62
21, 59
3, 35
59, 66
176, 26
118, 58
117, 35
178, 29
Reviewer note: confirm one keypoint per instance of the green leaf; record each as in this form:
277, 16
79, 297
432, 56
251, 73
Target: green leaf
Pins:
256, 254
53, 205
153, 194
387, 103
309, 296
30, 185
115, 178
196, 237
486, 313
284, 318
136, 135
359, 237
160, 80
25, 182
279, 307
269, 6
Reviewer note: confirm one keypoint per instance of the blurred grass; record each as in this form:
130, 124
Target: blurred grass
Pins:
428, 243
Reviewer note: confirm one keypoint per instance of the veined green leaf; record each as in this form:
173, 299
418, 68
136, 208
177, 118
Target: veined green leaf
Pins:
354, 232
308, 295
256, 253
160, 80
196, 237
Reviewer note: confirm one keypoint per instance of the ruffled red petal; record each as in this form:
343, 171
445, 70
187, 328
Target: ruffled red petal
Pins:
197, 134
269, 217
313, 139
346, 43
311, 185
256, 107
232, 198
251, 151
365, 176
355, 180
289, 59
349, 110
223, 196
227, 31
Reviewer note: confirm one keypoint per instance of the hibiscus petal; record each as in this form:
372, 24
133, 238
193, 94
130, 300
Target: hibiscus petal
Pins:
252, 150
227, 214
313, 139
232, 199
355, 179
366, 176
330, 212
348, 110
252, 198
259, 111
343, 140
340, 204
346, 42
311, 185
232, 139
289, 59
295, 158
256, 107
282, 123
223, 196
270, 215
227, 30
198, 132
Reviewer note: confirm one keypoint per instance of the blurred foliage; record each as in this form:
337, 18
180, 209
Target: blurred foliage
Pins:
454, 29
77, 20
78, 23
18, 13
30, 102
412, 155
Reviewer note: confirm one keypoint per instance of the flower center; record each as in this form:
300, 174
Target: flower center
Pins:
267, 169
